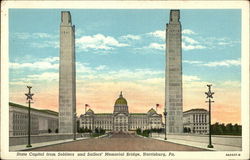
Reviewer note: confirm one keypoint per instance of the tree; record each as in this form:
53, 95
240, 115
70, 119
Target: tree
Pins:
229, 128
102, 131
56, 131
78, 126
138, 130
96, 130
49, 130
223, 127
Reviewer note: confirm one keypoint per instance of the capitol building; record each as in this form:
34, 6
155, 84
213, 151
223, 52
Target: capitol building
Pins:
121, 120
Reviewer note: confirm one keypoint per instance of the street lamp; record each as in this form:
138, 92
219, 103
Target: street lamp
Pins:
209, 96
29, 98
165, 115
74, 126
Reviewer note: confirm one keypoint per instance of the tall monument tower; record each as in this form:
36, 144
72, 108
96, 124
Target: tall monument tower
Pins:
173, 73
67, 82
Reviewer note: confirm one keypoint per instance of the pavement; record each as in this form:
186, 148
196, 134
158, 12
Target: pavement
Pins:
43, 144
118, 142
217, 147
124, 142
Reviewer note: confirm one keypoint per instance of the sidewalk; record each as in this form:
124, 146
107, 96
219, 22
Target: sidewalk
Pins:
37, 145
217, 147
42, 144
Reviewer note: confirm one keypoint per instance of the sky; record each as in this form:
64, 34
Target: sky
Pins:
124, 50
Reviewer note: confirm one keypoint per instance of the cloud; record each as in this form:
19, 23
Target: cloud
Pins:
98, 42
51, 59
33, 66
188, 31
157, 46
218, 42
48, 76
131, 37
83, 68
101, 67
45, 44
192, 62
46, 40
38, 35
188, 43
230, 84
128, 75
153, 81
226, 63
191, 46
79, 32
189, 40
158, 34
187, 78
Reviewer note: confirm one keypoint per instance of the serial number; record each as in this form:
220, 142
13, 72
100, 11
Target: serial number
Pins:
232, 154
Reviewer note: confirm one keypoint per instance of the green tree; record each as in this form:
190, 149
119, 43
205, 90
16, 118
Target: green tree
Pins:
96, 130
223, 127
138, 130
78, 126
229, 129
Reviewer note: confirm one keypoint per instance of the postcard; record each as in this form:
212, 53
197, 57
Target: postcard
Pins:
125, 80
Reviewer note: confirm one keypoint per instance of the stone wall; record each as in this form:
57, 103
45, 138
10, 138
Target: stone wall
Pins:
41, 138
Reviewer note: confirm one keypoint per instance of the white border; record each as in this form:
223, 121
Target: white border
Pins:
243, 5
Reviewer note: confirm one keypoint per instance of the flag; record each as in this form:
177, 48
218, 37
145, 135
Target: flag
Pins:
86, 105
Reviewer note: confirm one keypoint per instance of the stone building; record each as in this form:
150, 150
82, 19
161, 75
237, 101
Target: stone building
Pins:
121, 119
173, 83
196, 121
41, 120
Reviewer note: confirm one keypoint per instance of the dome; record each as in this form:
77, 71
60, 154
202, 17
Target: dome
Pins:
121, 100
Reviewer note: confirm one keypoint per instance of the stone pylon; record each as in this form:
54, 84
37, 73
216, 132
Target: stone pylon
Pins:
173, 79
67, 74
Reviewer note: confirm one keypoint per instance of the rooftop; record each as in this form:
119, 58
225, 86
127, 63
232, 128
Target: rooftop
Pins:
195, 109
33, 109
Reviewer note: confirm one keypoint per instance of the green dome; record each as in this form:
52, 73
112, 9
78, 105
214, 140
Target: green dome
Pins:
121, 100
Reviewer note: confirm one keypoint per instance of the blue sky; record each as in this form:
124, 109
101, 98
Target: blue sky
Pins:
210, 26
125, 46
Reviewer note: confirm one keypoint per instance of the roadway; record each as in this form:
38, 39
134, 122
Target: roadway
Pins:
118, 142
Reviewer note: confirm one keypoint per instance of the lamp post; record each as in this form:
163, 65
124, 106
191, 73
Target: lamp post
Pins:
29, 98
74, 126
209, 96
165, 115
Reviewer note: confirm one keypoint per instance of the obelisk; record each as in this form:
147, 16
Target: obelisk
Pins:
67, 81
173, 73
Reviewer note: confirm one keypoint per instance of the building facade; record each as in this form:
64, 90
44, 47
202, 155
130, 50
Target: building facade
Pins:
196, 121
121, 120
41, 120
67, 81
173, 79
